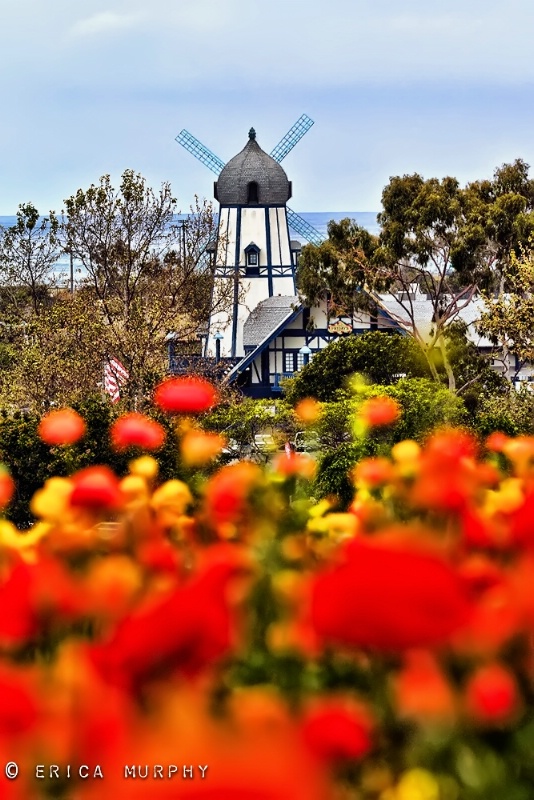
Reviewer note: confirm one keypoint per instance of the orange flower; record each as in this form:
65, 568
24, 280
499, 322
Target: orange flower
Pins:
377, 411
295, 464
308, 410
422, 691
492, 696
96, 488
136, 430
186, 395
497, 441
61, 427
388, 597
197, 448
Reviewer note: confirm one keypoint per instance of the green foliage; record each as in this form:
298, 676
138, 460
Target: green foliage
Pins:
240, 419
377, 355
31, 462
333, 476
337, 269
511, 413
424, 406
508, 318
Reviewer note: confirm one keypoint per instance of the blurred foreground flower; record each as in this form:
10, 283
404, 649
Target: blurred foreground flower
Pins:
185, 395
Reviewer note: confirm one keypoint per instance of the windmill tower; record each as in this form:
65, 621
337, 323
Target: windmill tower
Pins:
254, 249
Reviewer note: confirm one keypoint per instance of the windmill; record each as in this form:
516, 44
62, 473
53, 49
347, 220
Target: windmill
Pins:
279, 152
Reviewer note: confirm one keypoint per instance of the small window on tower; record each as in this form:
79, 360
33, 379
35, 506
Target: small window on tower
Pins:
252, 192
252, 258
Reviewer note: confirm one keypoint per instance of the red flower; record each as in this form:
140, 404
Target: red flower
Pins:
190, 628
335, 730
491, 695
136, 430
387, 597
227, 492
33, 597
61, 427
185, 395
496, 441
379, 411
18, 703
96, 488
7, 486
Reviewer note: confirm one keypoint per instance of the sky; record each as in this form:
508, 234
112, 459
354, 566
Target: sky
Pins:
439, 88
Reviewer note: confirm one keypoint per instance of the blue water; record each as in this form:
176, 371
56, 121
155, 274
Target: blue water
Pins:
319, 220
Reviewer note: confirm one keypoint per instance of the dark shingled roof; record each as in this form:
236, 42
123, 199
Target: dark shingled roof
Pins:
266, 317
253, 164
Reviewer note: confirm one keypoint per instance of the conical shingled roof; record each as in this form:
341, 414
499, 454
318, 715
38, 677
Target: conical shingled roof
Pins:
253, 164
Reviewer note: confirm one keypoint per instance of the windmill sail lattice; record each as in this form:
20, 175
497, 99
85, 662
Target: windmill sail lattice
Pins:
299, 225
200, 151
292, 137
284, 146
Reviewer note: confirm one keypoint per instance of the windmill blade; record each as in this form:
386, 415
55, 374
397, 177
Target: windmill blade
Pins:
294, 135
200, 151
299, 225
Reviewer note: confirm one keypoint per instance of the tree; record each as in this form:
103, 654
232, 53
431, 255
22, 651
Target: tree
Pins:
57, 356
337, 270
28, 251
508, 316
148, 275
381, 357
437, 242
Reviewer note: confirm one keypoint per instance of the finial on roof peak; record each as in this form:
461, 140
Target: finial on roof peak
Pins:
252, 134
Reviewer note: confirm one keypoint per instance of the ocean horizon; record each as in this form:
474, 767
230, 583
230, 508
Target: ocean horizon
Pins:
318, 219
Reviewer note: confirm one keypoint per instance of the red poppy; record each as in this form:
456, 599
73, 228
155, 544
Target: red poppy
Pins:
227, 492
186, 395
336, 730
388, 597
18, 702
96, 488
136, 430
33, 597
378, 411
190, 628
7, 486
61, 427
496, 441
492, 695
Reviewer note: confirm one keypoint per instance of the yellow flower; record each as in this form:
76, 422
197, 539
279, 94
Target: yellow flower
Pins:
145, 466
170, 501
507, 498
135, 490
52, 501
417, 784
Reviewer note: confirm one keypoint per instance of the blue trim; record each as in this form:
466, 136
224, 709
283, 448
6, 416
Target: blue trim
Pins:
292, 257
255, 205
279, 237
236, 283
248, 359
269, 253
